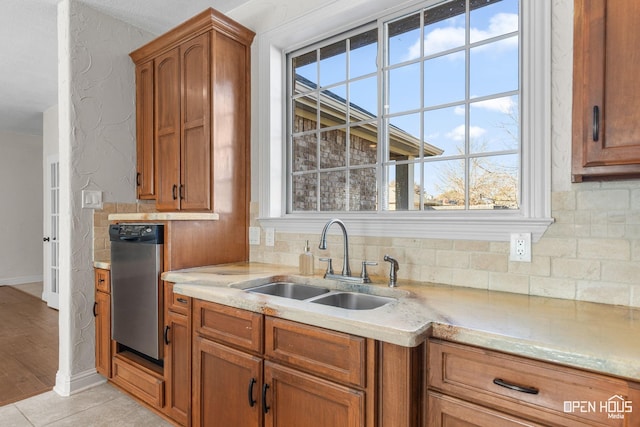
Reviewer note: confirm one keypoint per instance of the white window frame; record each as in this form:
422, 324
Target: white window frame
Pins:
534, 215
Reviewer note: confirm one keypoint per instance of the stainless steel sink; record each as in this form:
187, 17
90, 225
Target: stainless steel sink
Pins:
353, 301
289, 290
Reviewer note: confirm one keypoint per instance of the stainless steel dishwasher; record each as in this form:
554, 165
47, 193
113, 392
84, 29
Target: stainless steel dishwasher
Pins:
136, 265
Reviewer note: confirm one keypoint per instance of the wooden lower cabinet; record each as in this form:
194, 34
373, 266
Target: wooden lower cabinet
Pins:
304, 375
293, 398
177, 367
448, 411
102, 315
512, 390
227, 386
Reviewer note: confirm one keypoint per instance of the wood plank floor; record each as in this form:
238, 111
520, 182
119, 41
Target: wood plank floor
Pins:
28, 345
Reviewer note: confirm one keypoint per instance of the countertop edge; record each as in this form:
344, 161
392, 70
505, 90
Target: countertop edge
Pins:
522, 325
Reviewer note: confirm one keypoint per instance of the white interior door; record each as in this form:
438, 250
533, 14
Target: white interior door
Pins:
51, 242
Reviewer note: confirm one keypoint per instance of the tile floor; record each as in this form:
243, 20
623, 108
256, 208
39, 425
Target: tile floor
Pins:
101, 406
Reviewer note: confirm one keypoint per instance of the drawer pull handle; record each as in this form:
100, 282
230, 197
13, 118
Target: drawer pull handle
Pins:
520, 388
166, 335
95, 305
182, 300
596, 123
265, 407
252, 401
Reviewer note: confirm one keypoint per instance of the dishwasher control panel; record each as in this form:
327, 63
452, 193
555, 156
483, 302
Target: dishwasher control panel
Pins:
152, 233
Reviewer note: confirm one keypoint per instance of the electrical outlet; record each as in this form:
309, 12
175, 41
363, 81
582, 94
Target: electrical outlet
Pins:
270, 236
520, 247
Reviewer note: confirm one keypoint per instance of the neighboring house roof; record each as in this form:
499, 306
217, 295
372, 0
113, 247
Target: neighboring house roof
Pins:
333, 111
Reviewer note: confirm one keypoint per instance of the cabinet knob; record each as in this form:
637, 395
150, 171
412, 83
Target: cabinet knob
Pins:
174, 192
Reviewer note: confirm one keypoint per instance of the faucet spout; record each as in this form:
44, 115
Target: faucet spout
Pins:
346, 269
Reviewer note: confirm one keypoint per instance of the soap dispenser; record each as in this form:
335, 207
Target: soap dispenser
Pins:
306, 261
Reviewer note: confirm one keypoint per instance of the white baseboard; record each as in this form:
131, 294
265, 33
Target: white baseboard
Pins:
68, 385
20, 280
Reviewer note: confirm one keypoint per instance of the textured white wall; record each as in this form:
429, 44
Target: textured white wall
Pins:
21, 208
96, 102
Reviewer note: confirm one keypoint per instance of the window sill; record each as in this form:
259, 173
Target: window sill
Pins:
461, 227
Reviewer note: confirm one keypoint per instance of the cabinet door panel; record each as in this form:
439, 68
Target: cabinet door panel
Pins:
222, 380
177, 367
167, 129
103, 333
606, 96
196, 134
613, 31
297, 399
145, 162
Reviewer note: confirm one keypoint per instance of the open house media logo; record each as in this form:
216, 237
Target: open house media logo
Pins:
615, 407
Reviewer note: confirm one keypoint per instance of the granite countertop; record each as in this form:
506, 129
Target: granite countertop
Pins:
597, 337
163, 216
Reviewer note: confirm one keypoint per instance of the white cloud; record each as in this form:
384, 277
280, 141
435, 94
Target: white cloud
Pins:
458, 133
500, 23
442, 39
501, 105
459, 110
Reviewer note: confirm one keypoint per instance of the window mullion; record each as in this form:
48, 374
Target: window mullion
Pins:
317, 133
467, 118
381, 64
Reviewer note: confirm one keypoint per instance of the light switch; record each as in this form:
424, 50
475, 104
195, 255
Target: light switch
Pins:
91, 199
254, 235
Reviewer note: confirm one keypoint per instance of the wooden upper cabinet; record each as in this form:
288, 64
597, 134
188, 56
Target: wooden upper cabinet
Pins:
167, 129
606, 97
201, 117
195, 116
145, 156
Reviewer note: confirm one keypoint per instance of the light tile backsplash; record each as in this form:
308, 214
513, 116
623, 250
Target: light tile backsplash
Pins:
591, 252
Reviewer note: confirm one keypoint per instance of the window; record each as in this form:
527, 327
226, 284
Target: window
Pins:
433, 119
442, 131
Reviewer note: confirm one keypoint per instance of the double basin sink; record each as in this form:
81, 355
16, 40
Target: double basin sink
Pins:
322, 295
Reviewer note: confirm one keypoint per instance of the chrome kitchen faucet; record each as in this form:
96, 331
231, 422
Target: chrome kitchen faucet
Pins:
346, 268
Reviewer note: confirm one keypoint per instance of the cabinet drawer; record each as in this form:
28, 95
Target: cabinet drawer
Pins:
144, 384
175, 302
103, 280
449, 411
228, 325
532, 389
333, 355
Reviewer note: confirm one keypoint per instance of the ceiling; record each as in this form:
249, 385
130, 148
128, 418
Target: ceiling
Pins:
28, 48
